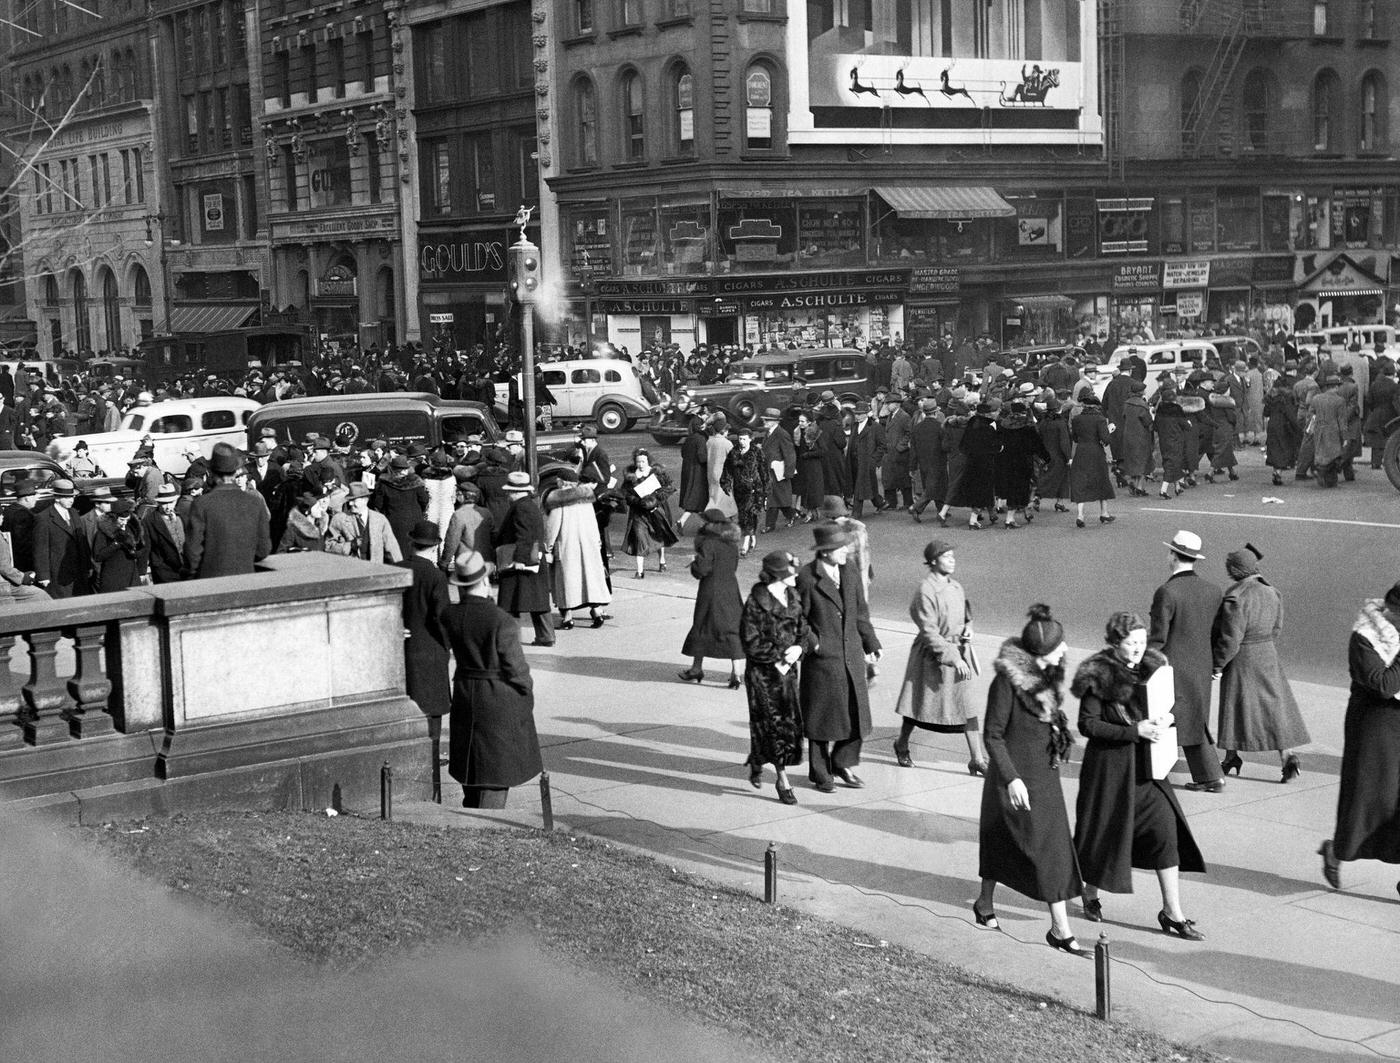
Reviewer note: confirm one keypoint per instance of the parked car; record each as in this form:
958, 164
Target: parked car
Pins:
175, 426
1234, 349
18, 466
1171, 358
766, 380
604, 390
1343, 337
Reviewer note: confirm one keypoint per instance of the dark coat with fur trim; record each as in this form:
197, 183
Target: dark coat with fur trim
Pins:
1116, 761
1030, 851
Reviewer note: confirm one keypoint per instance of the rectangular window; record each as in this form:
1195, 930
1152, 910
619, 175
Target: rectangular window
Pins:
583, 16
249, 207
201, 37
337, 46
243, 102
184, 31
191, 125
238, 32
758, 7
48, 189
632, 12
527, 149
225, 118
484, 62
289, 172
439, 176
138, 167
208, 131
128, 189
366, 50
372, 167
481, 158
106, 177
435, 62
308, 67
515, 26
64, 186
38, 193
284, 77
220, 36
95, 173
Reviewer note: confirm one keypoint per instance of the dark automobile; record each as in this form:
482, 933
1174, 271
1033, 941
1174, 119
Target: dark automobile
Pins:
766, 380
17, 466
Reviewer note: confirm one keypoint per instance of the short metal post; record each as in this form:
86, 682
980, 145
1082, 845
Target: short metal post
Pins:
386, 792
546, 801
437, 760
1103, 978
770, 875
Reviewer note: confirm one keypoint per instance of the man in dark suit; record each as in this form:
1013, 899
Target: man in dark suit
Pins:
229, 528
18, 522
263, 473
62, 561
165, 532
781, 458
425, 646
834, 688
864, 452
1183, 615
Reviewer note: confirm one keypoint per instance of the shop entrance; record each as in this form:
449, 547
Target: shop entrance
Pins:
722, 331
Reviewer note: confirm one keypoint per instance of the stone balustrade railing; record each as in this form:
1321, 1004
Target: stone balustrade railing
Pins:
268, 688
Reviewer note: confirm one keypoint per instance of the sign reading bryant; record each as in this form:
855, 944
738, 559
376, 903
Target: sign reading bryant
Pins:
945, 71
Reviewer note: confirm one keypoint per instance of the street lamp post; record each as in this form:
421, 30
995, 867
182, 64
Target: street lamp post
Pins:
524, 273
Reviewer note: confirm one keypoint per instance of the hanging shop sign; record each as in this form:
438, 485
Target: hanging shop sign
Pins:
1137, 277
1194, 273
934, 280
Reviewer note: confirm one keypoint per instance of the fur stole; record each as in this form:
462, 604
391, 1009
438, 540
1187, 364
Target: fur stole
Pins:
1372, 626
1110, 680
573, 494
1041, 688
727, 532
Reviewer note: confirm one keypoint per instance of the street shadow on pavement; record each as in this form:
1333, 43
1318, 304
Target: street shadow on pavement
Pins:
614, 668
626, 763
1248, 1048
1253, 881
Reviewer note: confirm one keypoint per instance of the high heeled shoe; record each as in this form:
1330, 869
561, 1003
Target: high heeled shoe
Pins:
661, 567
942, 521
1079, 522
691, 675
785, 795
901, 755
1331, 866
974, 525
1106, 518
1185, 928
1291, 769
1061, 509
734, 681
1278, 480
639, 575
1232, 762
598, 619
1066, 944
564, 625
988, 919
977, 767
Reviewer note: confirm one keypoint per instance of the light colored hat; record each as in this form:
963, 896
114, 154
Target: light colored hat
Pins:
468, 570
1186, 544
518, 483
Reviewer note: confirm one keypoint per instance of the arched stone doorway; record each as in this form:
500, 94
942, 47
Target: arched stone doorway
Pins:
111, 312
82, 325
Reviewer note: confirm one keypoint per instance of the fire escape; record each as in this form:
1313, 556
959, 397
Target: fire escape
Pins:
1214, 105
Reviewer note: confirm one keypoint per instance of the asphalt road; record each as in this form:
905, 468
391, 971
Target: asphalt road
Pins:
1325, 550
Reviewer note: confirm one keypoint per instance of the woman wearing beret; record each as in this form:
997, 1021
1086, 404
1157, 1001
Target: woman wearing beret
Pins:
1257, 708
714, 627
775, 635
1124, 818
1024, 831
1368, 804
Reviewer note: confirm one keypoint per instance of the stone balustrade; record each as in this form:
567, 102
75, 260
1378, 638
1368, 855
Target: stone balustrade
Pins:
260, 690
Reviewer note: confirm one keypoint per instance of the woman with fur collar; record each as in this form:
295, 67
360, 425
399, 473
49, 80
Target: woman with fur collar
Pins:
572, 542
1368, 806
1024, 831
1123, 817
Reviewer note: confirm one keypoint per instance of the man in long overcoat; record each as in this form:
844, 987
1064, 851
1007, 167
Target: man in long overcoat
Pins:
1182, 618
927, 457
864, 453
494, 744
62, 561
778, 449
894, 472
835, 695
1328, 412
229, 527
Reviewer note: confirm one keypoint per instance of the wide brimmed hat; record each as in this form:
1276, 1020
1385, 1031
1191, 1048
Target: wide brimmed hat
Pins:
425, 533
225, 460
1186, 544
400, 461
833, 506
101, 494
63, 489
518, 483
358, 490
830, 537
468, 570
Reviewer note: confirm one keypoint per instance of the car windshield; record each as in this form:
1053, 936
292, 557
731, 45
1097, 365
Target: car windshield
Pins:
745, 371
778, 375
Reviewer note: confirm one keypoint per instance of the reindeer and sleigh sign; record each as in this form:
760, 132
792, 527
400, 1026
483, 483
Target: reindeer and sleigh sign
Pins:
895, 81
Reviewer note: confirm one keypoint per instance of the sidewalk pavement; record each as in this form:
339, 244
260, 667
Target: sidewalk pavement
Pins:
1289, 970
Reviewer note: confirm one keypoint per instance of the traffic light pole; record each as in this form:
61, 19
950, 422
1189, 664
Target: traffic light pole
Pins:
524, 259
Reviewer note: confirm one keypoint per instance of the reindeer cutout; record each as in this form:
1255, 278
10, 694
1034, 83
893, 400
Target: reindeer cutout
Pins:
857, 88
905, 90
950, 90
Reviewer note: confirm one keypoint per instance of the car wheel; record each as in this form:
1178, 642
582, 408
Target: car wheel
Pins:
1391, 460
744, 411
611, 419
850, 396
631, 424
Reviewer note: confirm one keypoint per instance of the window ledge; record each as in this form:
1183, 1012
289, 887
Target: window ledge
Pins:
1318, 153
1373, 42
1327, 38
1376, 153
624, 31
591, 37
678, 160
631, 164
760, 16
672, 23
754, 154
592, 167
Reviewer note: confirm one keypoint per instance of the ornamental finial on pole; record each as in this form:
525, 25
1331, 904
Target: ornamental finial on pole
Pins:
522, 219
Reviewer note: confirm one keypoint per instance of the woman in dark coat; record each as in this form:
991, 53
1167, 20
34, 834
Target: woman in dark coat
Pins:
928, 458
1174, 432
976, 487
749, 472
1055, 438
1368, 804
1024, 832
714, 627
1015, 462
306, 526
121, 553
1089, 478
810, 485
493, 745
1284, 435
694, 489
1124, 818
775, 635
1136, 434
524, 576
649, 524
1257, 708
953, 429
836, 475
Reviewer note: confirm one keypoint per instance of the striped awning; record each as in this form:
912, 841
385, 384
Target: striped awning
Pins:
210, 317
946, 201
1342, 293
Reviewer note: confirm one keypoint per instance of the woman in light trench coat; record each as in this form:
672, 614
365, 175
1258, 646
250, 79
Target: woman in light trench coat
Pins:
936, 694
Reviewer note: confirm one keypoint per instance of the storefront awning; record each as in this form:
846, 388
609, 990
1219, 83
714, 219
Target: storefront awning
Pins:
211, 317
947, 201
1342, 293
1043, 302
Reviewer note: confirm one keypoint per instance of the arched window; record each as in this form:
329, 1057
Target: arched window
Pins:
66, 89
683, 108
758, 108
84, 76
585, 124
82, 328
1324, 111
634, 136
118, 77
1258, 99
111, 312
51, 297
53, 94
140, 287
133, 75
99, 82
60, 16
1373, 111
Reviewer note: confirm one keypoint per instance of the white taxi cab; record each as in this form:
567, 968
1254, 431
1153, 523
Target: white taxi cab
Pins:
176, 427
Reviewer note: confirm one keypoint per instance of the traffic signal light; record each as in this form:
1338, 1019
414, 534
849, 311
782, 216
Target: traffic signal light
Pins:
524, 271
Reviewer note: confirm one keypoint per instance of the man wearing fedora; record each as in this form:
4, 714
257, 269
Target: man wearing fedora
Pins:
165, 532
425, 642
101, 499
358, 531
494, 744
780, 454
524, 577
1182, 618
229, 529
17, 521
835, 695
62, 560
865, 450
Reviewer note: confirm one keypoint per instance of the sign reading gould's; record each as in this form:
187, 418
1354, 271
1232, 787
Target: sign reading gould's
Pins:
462, 257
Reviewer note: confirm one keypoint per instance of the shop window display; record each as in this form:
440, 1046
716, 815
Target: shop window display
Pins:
932, 240
1036, 232
687, 238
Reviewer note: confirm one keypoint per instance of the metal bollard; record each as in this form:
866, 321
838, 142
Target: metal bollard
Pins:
386, 792
770, 875
1103, 978
437, 768
546, 801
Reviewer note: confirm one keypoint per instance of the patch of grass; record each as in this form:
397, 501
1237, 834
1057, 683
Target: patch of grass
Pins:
345, 891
